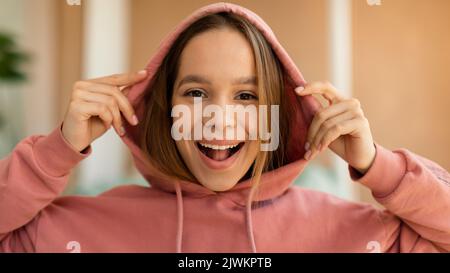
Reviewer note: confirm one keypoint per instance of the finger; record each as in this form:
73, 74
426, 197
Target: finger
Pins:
325, 89
92, 109
126, 90
122, 101
324, 114
328, 125
122, 79
110, 102
343, 128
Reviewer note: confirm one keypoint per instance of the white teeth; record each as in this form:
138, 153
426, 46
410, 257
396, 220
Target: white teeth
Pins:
218, 147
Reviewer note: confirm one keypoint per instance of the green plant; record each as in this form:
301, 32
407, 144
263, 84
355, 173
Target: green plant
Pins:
10, 60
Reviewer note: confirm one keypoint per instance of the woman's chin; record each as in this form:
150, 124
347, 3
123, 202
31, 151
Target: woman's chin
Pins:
218, 184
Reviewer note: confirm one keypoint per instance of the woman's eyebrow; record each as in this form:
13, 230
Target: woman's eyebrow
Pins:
246, 80
193, 79
200, 79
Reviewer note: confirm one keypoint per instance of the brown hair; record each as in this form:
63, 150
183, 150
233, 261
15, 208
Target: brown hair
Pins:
158, 144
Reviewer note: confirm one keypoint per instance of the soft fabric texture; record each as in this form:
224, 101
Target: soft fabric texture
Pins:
181, 216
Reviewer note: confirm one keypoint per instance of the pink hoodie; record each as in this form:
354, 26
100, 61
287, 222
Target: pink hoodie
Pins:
182, 216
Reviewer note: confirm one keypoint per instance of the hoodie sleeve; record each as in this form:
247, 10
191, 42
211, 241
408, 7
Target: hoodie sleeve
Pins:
31, 177
416, 194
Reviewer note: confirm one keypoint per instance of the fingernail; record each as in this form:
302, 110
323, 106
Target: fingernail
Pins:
122, 131
307, 154
135, 120
319, 147
307, 146
299, 89
142, 72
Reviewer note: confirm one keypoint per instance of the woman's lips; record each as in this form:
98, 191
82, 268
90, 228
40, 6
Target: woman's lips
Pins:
220, 142
219, 153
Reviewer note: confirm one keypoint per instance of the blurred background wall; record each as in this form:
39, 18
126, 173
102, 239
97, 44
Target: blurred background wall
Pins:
401, 53
394, 57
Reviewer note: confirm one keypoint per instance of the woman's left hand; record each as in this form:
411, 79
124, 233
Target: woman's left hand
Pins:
341, 126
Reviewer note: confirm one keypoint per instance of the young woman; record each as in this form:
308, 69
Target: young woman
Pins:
219, 195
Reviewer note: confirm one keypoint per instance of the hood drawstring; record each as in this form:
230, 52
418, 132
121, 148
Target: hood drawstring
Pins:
179, 241
180, 215
249, 220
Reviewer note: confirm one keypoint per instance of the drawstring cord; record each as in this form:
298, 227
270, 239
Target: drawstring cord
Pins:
248, 214
249, 220
179, 217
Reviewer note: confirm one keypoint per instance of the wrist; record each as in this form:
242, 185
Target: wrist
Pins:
73, 144
55, 155
385, 174
371, 159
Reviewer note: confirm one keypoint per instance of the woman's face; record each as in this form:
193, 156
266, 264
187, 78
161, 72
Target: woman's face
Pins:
217, 66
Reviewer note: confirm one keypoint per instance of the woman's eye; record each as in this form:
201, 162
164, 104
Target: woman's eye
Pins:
195, 93
246, 96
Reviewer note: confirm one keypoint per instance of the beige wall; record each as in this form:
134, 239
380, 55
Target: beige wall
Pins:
69, 59
401, 62
70, 41
40, 41
401, 66
300, 25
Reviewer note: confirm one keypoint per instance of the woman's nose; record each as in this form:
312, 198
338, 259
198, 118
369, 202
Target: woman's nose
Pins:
221, 110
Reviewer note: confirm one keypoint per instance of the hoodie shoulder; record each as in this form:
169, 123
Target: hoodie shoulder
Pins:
325, 203
125, 190
335, 211
344, 225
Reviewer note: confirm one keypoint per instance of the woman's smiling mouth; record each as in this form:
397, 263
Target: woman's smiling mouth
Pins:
219, 154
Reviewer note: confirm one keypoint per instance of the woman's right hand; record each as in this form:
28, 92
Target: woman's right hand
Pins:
96, 105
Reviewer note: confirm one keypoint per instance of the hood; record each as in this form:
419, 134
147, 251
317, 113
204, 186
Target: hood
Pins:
272, 183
